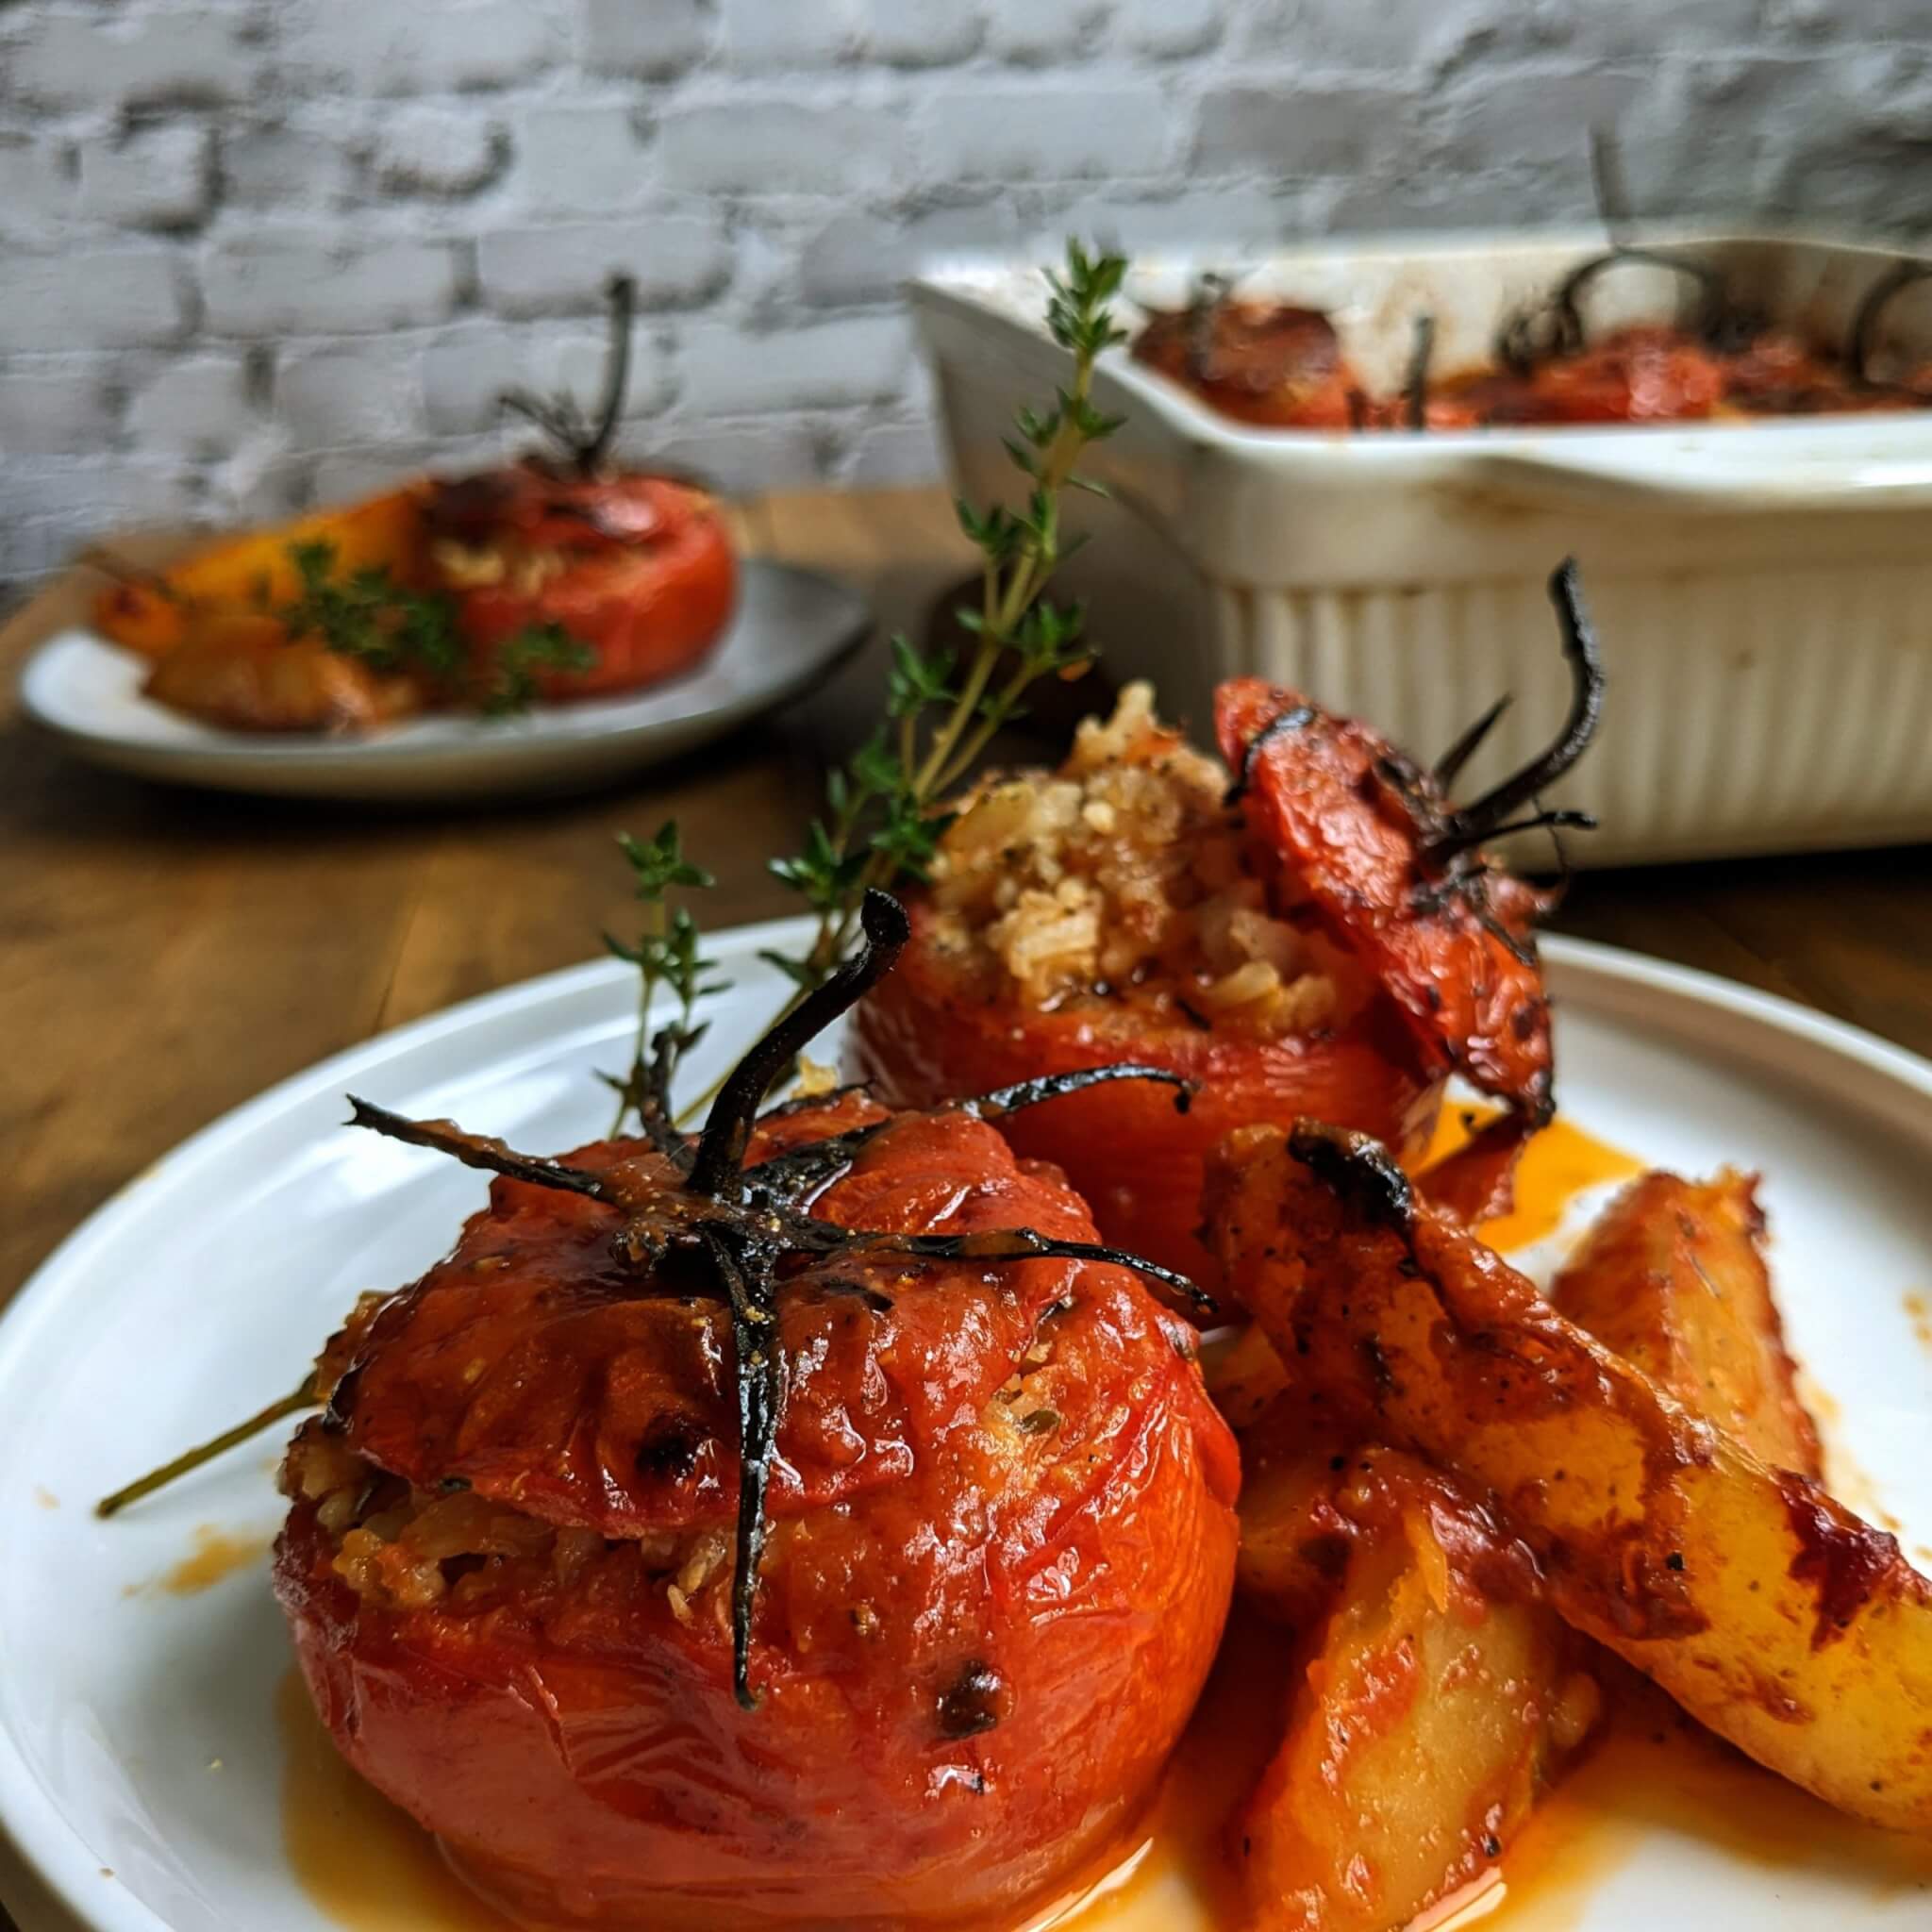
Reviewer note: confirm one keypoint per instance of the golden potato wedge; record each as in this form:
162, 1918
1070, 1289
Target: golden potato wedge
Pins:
1243, 1374
1438, 1703
1672, 1277
1766, 1609
242, 673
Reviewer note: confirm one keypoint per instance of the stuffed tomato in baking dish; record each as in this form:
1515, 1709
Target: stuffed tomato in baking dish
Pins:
1307, 930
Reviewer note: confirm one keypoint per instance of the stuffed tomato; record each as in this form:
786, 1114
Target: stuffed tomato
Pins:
1321, 939
999, 1553
635, 570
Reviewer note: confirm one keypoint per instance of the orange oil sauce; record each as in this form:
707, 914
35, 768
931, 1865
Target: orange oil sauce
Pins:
215, 1556
1556, 1165
363, 1864
1654, 1773
368, 1869
1919, 1312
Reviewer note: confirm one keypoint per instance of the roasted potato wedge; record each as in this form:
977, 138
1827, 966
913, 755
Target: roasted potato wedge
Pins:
242, 672
1766, 1609
1672, 1277
1245, 1376
1439, 1700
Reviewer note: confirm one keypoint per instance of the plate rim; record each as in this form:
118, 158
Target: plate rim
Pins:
51, 1848
264, 754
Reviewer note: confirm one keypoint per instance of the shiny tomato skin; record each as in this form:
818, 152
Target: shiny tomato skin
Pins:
647, 582
578, 1748
925, 1035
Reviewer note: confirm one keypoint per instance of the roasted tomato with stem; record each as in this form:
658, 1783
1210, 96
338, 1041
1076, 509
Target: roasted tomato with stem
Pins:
1327, 935
1269, 363
576, 576
809, 1525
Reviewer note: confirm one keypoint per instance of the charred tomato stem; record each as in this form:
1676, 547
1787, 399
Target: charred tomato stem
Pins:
817, 1161
474, 1150
747, 1280
1557, 329
622, 292
1026, 1244
1470, 827
585, 446
1024, 1093
1415, 384
1210, 293
1878, 299
728, 1131
1448, 767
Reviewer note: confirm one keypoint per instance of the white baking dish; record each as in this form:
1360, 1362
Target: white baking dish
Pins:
1763, 588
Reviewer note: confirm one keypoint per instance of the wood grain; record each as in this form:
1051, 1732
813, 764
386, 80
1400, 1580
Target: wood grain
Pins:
166, 953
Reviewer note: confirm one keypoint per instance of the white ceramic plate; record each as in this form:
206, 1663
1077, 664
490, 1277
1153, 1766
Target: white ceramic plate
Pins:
789, 629
204, 1288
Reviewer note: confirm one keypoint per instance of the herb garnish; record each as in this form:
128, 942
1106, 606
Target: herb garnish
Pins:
536, 647
368, 615
882, 822
666, 954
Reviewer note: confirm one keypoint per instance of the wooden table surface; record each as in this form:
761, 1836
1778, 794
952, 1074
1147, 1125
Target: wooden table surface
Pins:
165, 954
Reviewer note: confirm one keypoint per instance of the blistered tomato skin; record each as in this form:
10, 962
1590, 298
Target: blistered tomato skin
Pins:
1000, 1555
1460, 965
927, 1033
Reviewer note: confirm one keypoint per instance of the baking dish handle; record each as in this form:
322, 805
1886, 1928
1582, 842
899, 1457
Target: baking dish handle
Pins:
1663, 474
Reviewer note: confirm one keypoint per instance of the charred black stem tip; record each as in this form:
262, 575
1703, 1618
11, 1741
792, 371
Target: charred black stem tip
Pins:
1362, 1172
1482, 820
473, 1150
883, 920
1878, 299
1024, 1093
1415, 387
1448, 767
727, 1132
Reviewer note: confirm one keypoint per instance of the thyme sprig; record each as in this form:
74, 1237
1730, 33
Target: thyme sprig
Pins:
666, 953
536, 647
368, 615
882, 823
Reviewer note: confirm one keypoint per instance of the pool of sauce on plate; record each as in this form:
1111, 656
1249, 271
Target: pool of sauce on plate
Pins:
1557, 1164
365, 1865
216, 1555
362, 1863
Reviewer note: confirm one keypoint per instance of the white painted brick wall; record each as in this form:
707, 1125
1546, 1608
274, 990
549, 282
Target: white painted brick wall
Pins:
256, 252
